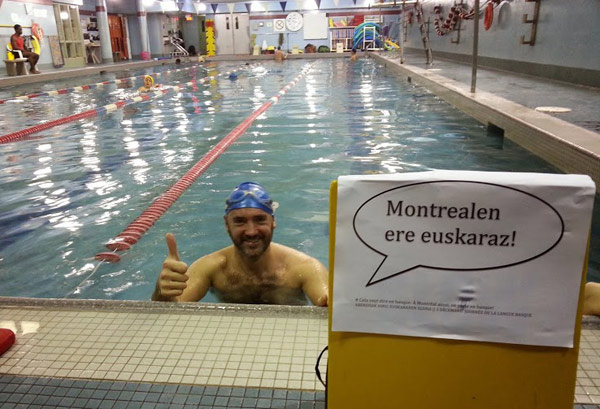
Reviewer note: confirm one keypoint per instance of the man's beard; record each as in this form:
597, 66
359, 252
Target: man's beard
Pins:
254, 253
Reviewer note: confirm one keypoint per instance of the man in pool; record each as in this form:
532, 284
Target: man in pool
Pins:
591, 299
279, 55
253, 270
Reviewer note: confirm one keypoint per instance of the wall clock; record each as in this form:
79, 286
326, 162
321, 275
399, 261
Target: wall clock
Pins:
294, 21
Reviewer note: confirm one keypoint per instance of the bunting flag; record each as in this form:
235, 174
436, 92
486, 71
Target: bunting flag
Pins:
248, 6
215, 5
336, 2
354, 1
230, 7
318, 3
282, 4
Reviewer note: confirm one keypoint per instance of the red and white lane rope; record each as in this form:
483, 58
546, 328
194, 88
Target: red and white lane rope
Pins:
93, 86
144, 222
14, 136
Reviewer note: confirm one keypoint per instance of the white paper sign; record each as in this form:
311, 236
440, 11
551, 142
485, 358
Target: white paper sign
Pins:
479, 256
279, 25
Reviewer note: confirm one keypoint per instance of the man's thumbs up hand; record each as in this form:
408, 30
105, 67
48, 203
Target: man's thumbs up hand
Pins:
172, 279
172, 245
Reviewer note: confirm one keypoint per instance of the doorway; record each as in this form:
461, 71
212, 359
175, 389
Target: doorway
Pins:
194, 32
233, 33
202, 35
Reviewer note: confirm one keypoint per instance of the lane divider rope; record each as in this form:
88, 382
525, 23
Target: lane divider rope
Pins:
94, 86
14, 136
134, 231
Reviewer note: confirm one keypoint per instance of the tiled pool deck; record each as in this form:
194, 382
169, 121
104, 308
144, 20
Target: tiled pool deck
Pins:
508, 101
153, 355
110, 354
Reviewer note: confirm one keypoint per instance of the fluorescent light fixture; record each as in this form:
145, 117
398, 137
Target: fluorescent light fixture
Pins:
256, 6
148, 3
64, 15
168, 6
200, 7
310, 5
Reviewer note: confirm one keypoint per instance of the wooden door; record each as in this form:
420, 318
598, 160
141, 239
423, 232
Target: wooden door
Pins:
124, 31
118, 36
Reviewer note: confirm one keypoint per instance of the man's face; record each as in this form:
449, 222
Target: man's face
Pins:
19, 30
251, 231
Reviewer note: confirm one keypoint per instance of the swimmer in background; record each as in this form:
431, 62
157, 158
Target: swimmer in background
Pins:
251, 271
148, 84
354, 55
279, 55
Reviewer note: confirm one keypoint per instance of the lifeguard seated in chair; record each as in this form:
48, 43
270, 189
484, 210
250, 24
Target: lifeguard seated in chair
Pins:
17, 45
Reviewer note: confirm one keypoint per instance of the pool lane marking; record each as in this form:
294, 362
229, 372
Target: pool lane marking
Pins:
134, 231
14, 136
94, 86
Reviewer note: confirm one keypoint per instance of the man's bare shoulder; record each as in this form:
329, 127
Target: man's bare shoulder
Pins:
295, 259
285, 251
212, 262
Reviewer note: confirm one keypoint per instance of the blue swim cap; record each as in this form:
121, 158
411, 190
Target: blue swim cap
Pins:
250, 194
233, 76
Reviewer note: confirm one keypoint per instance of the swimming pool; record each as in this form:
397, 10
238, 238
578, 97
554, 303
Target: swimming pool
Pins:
68, 190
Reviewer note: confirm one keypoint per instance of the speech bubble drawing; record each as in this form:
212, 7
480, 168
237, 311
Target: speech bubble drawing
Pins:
455, 225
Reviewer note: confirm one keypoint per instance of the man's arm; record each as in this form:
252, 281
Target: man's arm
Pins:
179, 283
200, 276
13, 43
316, 282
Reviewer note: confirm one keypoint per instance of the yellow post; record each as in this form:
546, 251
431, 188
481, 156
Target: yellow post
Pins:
385, 371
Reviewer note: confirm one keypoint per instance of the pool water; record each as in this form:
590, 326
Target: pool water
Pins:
68, 190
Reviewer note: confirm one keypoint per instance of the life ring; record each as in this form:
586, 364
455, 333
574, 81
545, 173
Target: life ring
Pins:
489, 16
37, 31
